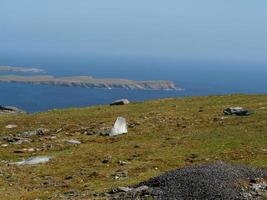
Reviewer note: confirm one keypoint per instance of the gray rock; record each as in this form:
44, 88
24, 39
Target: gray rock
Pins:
74, 142
124, 189
119, 127
39, 131
236, 111
11, 126
141, 188
120, 102
120, 174
33, 160
10, 110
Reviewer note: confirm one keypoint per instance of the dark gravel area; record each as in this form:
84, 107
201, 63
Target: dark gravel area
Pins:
213, 181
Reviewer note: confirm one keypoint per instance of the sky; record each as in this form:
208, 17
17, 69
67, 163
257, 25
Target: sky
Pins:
189, 29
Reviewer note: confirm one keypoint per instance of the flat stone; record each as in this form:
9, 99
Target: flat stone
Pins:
141, 188
25, 150
124, 189
10, 110
120, 102
33, 160
10, 126
75, 142
236, 111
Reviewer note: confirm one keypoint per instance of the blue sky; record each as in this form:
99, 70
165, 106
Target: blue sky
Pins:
190, 29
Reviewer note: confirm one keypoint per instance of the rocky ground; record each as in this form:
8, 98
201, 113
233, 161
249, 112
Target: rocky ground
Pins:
68, 154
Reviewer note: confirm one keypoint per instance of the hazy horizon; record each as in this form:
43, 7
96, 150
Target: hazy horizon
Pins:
226, 31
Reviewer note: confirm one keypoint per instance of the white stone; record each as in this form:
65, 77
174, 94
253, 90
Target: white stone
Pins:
33, 160
10, 126
120, 102
119, 127
73, 142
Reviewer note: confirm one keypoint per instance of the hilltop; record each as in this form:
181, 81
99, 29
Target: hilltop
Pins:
164, 135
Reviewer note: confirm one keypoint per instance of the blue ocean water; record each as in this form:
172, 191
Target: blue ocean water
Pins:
197, 78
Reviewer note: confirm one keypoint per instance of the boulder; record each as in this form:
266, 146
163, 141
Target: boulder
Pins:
9, 109
120, 102
236, 111
119, 127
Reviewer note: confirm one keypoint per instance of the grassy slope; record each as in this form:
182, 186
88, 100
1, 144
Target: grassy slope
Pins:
172, 133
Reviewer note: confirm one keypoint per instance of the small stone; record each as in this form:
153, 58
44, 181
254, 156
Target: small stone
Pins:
4, 145
124, 189
39, 131
33, 160
59, 130
74, 142
107, 159
120, 174
121, 162
11, 126
18, 142
142, 188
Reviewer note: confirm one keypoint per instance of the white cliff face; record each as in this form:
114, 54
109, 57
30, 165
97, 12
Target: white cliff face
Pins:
119, 127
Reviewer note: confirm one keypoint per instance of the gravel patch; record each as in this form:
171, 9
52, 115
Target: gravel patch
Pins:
213, 181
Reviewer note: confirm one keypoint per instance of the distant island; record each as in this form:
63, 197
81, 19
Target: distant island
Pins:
21, 69
90, 82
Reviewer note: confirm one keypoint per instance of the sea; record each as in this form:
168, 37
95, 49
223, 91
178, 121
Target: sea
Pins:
196, 77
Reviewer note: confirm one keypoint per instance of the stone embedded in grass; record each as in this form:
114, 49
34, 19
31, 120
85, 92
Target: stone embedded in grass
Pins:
119, 127
33, 160
11, 126
107, 159
74, 142
25, 150
39, 131
236, 111
120, 174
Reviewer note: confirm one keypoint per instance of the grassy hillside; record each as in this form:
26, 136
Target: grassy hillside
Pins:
163, 134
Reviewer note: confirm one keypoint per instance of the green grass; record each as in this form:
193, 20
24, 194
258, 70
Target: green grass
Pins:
172, 133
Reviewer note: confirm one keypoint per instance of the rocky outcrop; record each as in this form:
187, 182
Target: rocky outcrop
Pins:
90, 82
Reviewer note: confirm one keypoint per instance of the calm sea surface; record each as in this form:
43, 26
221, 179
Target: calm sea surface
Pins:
197, 78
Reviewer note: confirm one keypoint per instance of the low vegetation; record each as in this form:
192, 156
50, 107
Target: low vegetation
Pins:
163, 135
